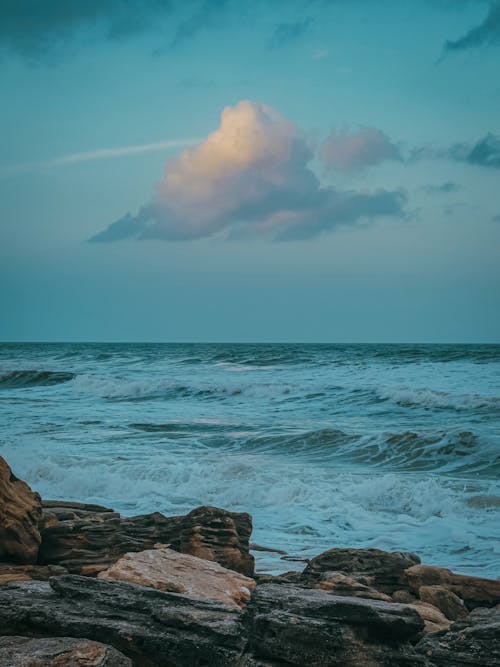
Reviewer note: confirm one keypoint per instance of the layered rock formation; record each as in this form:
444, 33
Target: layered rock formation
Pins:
86, 539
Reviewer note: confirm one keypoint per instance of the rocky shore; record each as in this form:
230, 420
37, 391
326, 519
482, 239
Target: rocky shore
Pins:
82, 586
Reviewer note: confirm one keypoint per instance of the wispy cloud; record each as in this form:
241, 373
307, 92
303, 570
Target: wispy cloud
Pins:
96, 154
286, 33
486, 33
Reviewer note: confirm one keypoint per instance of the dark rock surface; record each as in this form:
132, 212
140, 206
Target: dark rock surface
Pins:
151, 627
86, 539
58, 652
474, 640
382, 570
296, 626
20, 516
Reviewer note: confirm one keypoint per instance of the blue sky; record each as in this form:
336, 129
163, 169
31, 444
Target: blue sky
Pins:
348, 192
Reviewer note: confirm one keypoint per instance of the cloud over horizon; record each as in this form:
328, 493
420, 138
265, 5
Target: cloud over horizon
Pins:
251, 175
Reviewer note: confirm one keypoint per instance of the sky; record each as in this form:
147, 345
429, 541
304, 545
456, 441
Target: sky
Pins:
236, 170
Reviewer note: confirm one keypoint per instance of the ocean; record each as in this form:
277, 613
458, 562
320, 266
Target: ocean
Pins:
395, 447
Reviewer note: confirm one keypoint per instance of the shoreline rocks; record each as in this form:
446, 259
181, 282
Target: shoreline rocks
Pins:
20, 517
92, 588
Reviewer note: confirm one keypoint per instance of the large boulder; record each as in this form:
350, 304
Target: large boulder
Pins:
20, 516
474, 591
86, 539
58, 652
153, 628
291, 625
382, 570
473, 641
168, 570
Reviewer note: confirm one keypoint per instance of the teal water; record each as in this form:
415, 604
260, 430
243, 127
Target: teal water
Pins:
387, 446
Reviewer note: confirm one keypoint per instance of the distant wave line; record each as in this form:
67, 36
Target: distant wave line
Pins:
98, 154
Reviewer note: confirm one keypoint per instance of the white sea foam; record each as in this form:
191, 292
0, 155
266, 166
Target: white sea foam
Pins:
429, 398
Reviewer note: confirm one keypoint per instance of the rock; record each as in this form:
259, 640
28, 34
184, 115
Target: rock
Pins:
474, 591
404, 596
434, 619
449, 603
342, 584
218, 535
291, 625
168, 570
58, 652
86, 539
473, 641
153, 628
382, 570
20, 516
10, 573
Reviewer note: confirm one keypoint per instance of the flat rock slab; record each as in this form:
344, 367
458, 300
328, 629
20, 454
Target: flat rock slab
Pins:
298, 626
58, 652
471, 642
20, 517
149, 626
168, 570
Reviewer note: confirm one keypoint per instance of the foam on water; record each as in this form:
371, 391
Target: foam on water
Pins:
382, 446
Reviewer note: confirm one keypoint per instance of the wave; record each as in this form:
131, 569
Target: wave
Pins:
441, 400
296, 508
33, 378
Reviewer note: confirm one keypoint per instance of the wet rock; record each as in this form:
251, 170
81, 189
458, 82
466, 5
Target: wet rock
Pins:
10, 572
474, 591
473, 641
20, 516
168, 570
297, 626
381, 570
449, 603
58, 652
86, 539
149, 626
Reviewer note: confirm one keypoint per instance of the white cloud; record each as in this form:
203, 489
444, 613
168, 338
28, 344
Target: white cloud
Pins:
252, 173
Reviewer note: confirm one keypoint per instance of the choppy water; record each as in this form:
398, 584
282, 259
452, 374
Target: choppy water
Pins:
395, 447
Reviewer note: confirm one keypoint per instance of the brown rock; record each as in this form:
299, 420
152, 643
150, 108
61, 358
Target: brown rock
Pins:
449, 603
89, 538
474, 591
58, 652
338, 583
434, 619
20, 515
10, 572
168, 570
382, 570
404, 596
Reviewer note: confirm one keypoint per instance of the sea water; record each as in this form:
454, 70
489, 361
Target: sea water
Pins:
389, 446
